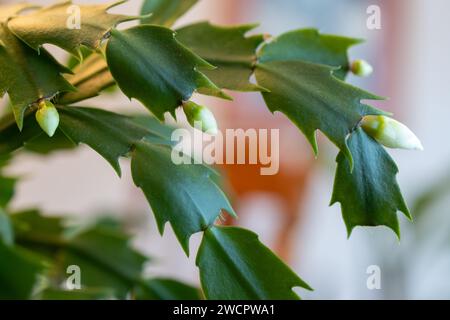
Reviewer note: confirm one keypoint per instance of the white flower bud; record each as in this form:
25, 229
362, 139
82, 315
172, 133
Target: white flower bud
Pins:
48, 118
361, 68
200, 114
390, 133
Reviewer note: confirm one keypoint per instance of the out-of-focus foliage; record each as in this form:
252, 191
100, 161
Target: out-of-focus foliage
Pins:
40, 251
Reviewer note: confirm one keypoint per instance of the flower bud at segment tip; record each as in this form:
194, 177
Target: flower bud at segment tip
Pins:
390, 133
200, 114
47, 117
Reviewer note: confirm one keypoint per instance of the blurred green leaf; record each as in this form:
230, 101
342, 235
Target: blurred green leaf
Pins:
19, 270
439, 189
90, 78
235, 265
165, 12
369, 195
43, 144
105, 259
4, 161
110, 249
31, 224
11, 138
43, 235
103, 254
7, 185
6, 190
73, 61
81, 294
228, 49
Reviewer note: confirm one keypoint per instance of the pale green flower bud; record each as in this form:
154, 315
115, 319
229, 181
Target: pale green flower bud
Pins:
361, 68
48, 118
200, 116
390, 133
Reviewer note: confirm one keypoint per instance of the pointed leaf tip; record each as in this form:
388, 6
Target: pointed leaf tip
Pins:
391, 133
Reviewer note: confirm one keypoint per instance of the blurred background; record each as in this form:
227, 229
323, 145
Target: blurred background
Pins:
410, 55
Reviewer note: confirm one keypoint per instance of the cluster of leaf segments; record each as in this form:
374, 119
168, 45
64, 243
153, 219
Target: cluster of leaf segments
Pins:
300, 73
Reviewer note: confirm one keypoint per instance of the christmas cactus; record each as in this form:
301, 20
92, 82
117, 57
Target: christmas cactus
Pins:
301, 73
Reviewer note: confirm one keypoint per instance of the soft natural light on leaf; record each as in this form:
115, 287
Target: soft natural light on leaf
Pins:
48, 118
197, 114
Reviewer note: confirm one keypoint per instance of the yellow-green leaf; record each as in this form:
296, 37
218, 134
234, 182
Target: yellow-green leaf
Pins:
67, 25
165, 12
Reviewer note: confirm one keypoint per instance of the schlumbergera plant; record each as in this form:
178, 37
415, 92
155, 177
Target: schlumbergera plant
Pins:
300, 73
